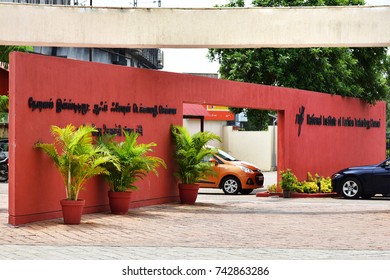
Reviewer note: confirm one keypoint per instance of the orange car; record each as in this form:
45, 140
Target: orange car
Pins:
233, 176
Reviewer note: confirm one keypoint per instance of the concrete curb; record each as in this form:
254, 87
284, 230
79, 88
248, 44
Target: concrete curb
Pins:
298, 195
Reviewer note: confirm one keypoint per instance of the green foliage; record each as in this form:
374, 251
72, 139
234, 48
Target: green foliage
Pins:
4, 61
4, 103
387, 66
288, 180
3, 117
272, 188
78, 160
235, 3
355, 72
132, 161
305, 187
285, 3
6, 50
325, 182
190, 152
257, 119
326, 185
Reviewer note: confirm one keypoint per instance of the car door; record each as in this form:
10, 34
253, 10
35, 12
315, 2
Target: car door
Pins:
211, 181
381, 179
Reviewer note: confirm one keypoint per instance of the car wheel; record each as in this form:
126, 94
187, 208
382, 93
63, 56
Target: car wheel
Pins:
246, 191
231, 185
351, 188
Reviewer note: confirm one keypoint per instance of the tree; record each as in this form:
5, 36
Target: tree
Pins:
387, 66
4, 61
6, 50
355, 72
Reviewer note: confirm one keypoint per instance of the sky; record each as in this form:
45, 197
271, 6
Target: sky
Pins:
175, 60
187, 60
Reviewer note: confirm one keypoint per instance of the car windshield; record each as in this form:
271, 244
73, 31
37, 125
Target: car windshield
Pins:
385, 163
226, 156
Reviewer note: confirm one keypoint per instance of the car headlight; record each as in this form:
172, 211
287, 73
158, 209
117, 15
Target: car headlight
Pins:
246, 169
334, 176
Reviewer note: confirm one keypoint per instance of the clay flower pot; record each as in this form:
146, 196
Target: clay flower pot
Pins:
72, 211
119, 202
188, 193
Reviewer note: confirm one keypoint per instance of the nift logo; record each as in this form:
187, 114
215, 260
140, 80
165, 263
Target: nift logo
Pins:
299, 119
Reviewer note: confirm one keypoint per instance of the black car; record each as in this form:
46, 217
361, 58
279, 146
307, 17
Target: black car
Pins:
363, 181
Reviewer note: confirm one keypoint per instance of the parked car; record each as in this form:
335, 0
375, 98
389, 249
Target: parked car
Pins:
363, 181
3, 160
4, 146
232, 175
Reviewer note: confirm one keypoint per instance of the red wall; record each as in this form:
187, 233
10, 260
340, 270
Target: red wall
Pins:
325, 149
35, 187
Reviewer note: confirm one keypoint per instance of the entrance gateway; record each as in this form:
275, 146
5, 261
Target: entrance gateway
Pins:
318, 133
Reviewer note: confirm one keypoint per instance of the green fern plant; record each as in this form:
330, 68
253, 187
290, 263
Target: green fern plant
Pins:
79, 159
132, 159
190, 152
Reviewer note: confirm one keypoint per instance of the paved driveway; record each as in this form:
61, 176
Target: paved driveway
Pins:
217, 227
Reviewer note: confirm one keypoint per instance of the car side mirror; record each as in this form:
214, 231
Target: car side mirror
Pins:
213, 160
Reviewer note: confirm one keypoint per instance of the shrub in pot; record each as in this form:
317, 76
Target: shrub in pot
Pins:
133, 163
77, 159
288, 182
190, 152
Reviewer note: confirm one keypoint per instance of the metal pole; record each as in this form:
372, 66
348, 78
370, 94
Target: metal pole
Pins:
273, 153
90, 49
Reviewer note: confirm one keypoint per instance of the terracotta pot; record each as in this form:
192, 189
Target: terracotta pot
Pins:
188, 193
72, 211
119, 202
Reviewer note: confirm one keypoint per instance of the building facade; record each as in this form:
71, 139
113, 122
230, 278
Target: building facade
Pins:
139, 58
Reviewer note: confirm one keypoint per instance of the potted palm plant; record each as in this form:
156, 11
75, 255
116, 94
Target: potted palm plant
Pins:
78, 161
190, 154
134, 164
